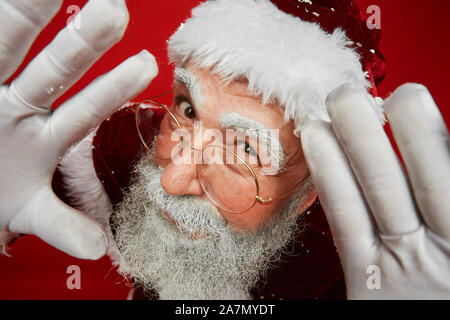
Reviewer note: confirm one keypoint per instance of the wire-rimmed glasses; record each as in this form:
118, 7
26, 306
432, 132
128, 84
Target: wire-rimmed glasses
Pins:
231, 185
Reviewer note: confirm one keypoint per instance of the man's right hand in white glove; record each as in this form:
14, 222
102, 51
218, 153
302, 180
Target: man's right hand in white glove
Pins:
33, 139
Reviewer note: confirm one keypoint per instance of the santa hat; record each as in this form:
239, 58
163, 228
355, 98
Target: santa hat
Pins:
294, 52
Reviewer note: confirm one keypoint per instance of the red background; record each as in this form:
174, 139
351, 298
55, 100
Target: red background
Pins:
413, 43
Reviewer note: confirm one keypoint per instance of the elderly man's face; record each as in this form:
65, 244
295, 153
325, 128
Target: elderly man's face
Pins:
170, 235
201, 96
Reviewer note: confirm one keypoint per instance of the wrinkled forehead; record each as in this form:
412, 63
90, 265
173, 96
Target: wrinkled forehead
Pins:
204, 83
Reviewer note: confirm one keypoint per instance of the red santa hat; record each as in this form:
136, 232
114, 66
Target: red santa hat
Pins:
292, 51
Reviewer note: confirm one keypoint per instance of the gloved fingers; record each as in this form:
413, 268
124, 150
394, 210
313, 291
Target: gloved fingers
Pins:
374, 162
73, 120
339, 193
21, 22
72, 52
423, 140
60, 226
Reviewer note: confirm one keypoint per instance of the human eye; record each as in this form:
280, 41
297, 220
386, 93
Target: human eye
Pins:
245, 149
184, 108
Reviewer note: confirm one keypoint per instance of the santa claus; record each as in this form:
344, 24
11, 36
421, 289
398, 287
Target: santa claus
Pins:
209, 198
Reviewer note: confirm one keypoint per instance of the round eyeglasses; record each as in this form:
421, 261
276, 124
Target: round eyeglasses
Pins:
232, 185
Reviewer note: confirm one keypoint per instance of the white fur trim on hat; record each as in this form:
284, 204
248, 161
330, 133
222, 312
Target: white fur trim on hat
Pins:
284, 58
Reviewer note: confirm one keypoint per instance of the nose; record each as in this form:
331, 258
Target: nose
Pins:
179, 179
180, 175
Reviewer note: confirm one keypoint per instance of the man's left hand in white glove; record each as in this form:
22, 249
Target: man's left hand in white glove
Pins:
387, 224
33, 138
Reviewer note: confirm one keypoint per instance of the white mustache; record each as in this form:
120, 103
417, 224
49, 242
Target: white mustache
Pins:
192, 214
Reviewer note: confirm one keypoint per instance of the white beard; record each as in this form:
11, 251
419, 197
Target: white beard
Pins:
222, 265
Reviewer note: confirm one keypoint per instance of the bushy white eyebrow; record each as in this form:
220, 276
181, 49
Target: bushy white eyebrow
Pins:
191, 82
256, 130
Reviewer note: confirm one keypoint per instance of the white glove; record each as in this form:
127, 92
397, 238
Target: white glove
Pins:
34, 139
381, 219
